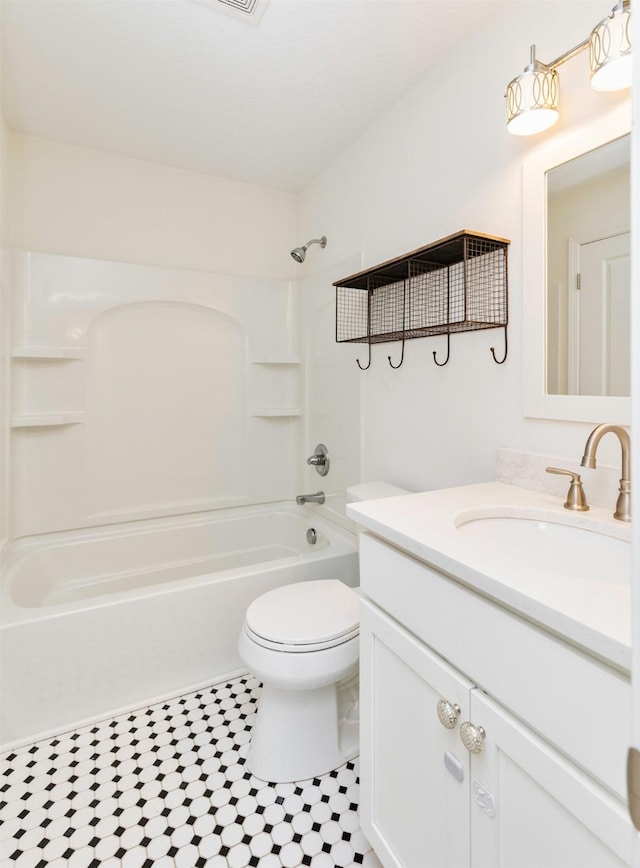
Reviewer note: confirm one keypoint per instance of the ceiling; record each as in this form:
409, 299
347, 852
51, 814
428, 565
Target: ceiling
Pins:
178, 82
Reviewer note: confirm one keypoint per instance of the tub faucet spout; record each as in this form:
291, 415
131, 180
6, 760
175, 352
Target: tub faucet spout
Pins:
318, 497
623, 504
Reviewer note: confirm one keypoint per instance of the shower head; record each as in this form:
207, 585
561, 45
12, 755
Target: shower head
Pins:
299, 253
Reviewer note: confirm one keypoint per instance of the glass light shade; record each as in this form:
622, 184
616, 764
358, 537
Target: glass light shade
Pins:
532, 100
610, 50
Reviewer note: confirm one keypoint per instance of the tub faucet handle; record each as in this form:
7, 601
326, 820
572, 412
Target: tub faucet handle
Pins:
576, 498
320, 459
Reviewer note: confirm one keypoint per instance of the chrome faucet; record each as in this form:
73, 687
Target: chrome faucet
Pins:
623, 504
318, 497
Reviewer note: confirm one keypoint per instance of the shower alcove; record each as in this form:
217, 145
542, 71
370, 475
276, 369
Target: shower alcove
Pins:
143, 402
141, 391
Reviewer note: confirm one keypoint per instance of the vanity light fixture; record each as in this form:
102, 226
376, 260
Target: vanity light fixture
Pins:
532, 99
610, 49
533, 96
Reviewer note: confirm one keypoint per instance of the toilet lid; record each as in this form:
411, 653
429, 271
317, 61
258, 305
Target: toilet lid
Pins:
306, 613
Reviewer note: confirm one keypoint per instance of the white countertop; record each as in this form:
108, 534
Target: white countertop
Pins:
594, 615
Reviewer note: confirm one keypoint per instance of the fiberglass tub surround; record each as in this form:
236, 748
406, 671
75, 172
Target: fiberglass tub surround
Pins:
142, 391
100, 620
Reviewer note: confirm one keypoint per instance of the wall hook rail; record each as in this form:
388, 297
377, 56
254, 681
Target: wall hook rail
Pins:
368, 365
435, 359
456, 284
369, 300
395, 367
506, 350
404, 326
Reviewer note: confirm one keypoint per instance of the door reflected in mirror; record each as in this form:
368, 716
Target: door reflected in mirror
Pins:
588, 276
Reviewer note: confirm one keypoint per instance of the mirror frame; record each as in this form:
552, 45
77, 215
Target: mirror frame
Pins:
558, 150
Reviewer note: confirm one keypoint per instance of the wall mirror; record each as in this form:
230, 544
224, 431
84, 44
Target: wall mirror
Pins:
576, 274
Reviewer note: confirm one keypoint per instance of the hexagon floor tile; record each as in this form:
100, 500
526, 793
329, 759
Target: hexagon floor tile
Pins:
167, 786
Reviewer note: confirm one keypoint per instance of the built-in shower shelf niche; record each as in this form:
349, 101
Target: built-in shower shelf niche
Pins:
48, 420
456, 284
276, 359
273, 412
52, 354
274, 384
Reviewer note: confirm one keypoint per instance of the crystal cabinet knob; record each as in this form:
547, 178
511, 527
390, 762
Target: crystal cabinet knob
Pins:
472, 737
448, 713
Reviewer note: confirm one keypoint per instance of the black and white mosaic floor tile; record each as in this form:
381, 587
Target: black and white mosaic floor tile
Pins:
167, 787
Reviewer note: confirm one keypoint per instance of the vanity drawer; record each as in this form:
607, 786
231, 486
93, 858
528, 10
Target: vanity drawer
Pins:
577, 703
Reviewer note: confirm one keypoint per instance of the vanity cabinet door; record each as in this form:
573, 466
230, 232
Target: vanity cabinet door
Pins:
414, 808
530, 808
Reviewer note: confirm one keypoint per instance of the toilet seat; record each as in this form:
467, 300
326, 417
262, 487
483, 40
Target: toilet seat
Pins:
303, 617
300, 647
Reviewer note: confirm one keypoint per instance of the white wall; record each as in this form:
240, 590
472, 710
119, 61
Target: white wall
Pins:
168, 286
4, 320
82, 202
439, 161
332, 405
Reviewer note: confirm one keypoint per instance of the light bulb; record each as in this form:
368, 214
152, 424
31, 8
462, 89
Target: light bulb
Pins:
533, 121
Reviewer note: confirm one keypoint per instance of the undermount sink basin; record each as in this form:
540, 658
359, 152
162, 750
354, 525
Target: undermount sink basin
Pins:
567, 572
535, 544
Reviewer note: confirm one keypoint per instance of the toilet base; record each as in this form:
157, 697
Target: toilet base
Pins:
300, 734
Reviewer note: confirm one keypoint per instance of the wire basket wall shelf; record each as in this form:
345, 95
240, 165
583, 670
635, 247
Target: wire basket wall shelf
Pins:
456, 284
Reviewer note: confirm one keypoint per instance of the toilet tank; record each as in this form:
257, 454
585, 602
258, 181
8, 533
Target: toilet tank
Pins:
373, 491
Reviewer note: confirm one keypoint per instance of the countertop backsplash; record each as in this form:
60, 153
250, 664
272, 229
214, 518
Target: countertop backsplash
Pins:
527, 470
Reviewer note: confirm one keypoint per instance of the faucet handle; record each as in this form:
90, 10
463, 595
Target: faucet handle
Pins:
576, 498
320, 459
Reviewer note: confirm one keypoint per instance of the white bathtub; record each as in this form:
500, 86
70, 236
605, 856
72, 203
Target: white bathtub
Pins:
98, 621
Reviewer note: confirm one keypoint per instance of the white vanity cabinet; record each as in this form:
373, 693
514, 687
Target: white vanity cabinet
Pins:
541, 811
543, 792
417, 812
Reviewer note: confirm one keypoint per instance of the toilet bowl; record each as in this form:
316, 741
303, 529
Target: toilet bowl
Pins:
301, 641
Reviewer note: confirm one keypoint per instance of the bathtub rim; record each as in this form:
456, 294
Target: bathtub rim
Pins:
341, 542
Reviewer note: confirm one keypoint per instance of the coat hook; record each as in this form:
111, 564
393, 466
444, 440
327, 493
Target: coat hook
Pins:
506, 350
442, 364
368, 365
395, 367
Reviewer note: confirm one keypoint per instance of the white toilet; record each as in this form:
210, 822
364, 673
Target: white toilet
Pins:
301, 641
